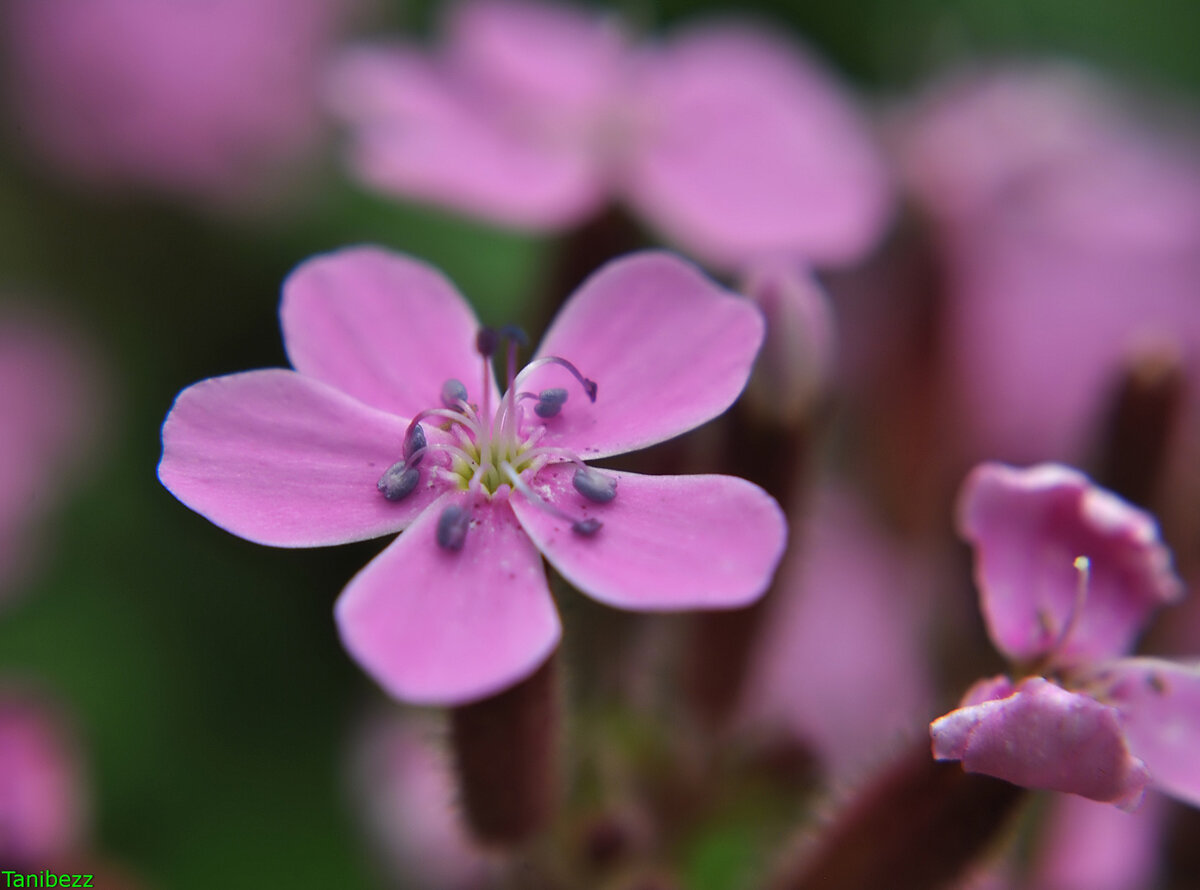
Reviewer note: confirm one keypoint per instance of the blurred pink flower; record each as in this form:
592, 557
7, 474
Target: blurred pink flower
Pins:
43, 804
1068, 574
375, 432
47, 400
204, 98
402, 782
1069, 234
732, 142
841, 663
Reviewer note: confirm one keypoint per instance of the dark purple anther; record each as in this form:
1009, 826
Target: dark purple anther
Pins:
515, 335
398, 481
486, 342
589, 387
452, 527
414, 444
453, 392
587, 527
594, 485
550, 402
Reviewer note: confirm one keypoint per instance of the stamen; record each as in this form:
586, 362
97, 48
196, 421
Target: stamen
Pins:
550, 401
398, 481
589, 386
486, 342
453, 392
1083, 566
594, 485
587, 526
516, 339
452, 527
414, 443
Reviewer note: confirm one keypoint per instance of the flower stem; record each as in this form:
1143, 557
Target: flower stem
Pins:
918, 826
506, 751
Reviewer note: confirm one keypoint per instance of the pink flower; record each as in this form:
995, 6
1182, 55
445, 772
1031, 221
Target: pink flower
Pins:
1068, 574
1069, 233
203, 98
730, 141
392, 421
42, 800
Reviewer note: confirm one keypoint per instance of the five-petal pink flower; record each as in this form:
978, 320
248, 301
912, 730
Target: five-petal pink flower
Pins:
1068, 574
730, 141
391, 421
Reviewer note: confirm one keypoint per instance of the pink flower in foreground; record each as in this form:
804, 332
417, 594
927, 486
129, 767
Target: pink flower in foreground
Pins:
1069, 234
730, 141
1068, 574
202, 98
391, 420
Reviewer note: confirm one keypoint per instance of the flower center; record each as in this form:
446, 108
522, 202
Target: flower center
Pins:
484, 450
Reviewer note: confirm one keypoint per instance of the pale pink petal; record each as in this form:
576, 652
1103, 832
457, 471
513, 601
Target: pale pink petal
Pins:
847, 614
280, 459
418, 133
1086, 845
754, 149
667, 347
561, 58
667, 542
1042, 736
1027, 527
382, 327
987, 689
440, 627
1160, 703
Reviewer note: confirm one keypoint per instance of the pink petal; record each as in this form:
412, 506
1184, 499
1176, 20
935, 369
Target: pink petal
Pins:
437, 627
1028, 526
280, 459
560, 58
380, 326
667, 347
754, 149
418, 133
1160, 702
1042, 736
1089, 846
667, 543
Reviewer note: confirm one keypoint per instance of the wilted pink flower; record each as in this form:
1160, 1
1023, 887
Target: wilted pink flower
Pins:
392, 421
405, 788
1068, 574
730, 141
46, 401
841, 663
204, 98
1069, 236
42, 798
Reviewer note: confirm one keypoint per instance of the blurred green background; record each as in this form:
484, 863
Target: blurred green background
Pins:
212, 697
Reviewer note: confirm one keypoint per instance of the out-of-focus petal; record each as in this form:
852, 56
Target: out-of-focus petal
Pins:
43, 804
752, 149
667, 347
417, 133
553, 57
667, 543
1042, 736
1084, 845
442, 627
382, 327
405, 788
1160, 703
842, 661
1027, 527
987, 689
280, 459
